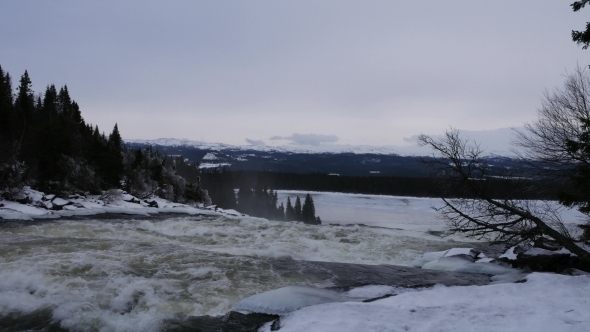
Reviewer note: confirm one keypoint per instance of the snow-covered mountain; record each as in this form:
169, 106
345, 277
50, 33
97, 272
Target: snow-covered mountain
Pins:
324, 148
334, 159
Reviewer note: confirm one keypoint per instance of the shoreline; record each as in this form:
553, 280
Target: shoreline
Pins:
36, 205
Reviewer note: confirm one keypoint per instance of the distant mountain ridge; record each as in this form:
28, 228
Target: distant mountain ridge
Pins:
324, 148
345, 161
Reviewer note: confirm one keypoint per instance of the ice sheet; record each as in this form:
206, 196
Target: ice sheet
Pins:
405, 213
461, 264
284, 300
428, 257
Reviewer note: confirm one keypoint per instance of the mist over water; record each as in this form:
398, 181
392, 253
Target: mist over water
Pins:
127, 275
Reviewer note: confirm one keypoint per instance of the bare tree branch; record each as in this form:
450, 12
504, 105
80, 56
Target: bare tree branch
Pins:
507, 220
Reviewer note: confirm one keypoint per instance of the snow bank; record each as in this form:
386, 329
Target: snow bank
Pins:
546, 302
462, 251
41, 206
545, 252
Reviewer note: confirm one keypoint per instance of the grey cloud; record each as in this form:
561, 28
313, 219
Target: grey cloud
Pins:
358, 68
412, 139
497, 141
255, 142
307, 139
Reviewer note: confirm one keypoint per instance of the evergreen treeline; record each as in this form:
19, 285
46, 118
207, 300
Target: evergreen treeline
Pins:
46, 144
259, 202
254, 198
262, 202
305, 212
220, 186
382, 185
386, 185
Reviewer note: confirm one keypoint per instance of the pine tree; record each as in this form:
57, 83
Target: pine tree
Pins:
49, 110
245, 200
77, 115
6, 108
25, 101
64, 102
23, 125
272, 209
311, 209
7, 125
289, 211
298, 216
281, 212
113, 168
38, 106
115, 140
228, 193
308, 210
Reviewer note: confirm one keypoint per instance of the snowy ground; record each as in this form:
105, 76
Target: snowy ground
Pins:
545, 302
42, 206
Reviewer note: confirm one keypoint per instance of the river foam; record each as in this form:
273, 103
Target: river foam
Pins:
124, 275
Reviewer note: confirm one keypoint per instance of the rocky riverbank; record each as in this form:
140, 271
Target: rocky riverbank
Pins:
33, 205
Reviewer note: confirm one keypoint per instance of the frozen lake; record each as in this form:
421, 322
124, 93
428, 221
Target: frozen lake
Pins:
412, 215
404, 213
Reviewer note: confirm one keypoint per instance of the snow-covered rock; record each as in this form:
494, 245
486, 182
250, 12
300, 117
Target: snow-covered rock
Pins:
37, 205
59, 203
287, 299
48, 197
509, 254
465, 260
435, 255
231, 212
18, 211
462, 251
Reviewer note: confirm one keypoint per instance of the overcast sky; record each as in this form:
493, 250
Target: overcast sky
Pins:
306, 72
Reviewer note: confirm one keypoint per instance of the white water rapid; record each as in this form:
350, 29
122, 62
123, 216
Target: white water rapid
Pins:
109, 274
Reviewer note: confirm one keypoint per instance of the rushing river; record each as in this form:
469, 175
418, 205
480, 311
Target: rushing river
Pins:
128, 274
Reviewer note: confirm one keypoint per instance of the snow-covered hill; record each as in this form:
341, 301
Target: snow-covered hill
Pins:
339, 159
324, 148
